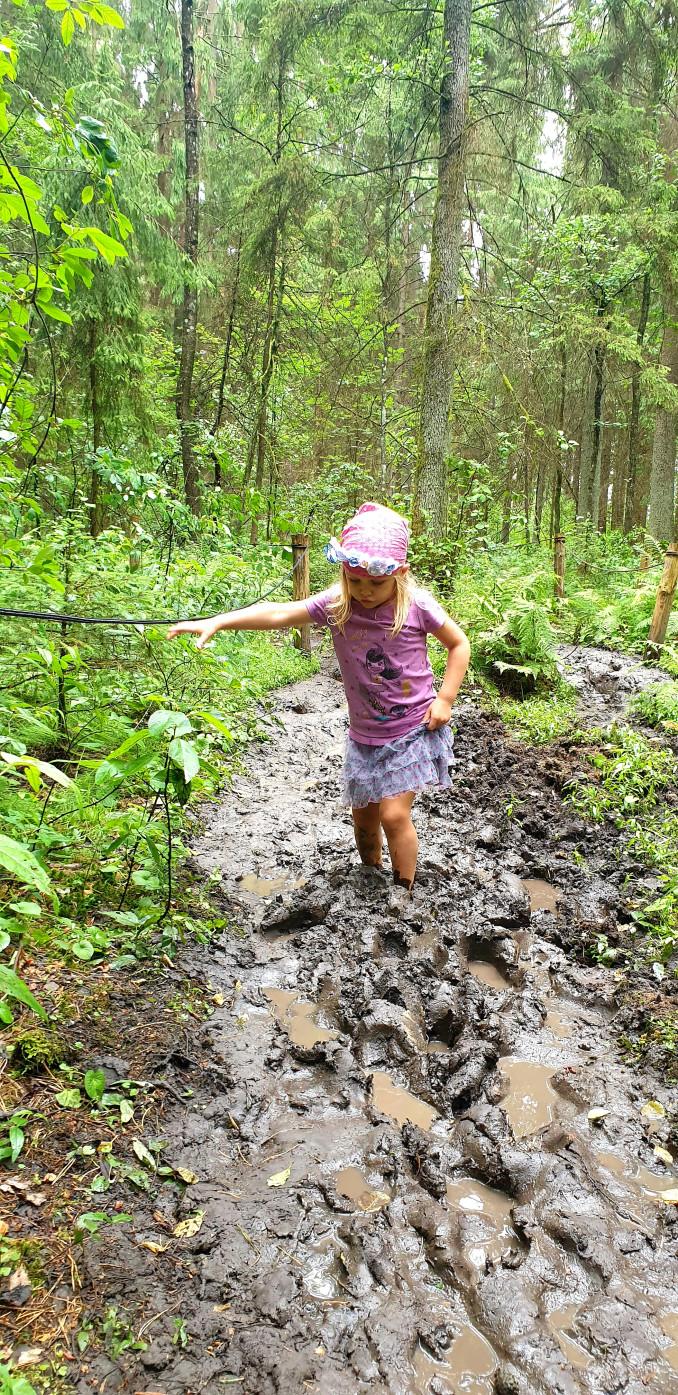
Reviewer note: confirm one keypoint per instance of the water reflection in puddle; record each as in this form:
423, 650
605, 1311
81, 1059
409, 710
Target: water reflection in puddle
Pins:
399, 1104
487, 1219
488, 974
320, 1271
467, 1369
297, 1017
530, 1101
543, 896
351, 1184
559, 1321
669, 1326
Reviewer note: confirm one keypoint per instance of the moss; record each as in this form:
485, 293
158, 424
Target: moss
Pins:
37, 1048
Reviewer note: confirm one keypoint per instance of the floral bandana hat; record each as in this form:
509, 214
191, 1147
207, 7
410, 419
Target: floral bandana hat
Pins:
375, 539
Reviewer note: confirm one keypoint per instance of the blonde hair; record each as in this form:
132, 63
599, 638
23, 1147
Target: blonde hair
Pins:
405, 583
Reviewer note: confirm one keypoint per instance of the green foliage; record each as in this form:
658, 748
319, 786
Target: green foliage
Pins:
518, 648
633, 774
658, 706
538, 720
12, 1383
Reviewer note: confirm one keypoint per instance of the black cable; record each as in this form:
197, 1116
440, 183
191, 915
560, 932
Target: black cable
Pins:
61, 619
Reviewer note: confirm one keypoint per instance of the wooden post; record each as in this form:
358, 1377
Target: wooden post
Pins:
559, 565
301, 586
643, 565
664, 602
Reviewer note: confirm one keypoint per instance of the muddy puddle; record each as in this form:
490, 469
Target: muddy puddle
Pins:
561, 1321
398, 1187
400, 1104
351, 1184
530, 1101
466, 1369
297, 1018
542, 896
484, 1217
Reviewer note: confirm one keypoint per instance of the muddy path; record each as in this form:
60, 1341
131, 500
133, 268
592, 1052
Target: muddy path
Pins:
398, 1186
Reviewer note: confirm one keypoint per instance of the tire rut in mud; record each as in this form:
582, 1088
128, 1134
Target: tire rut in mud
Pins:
402, 1191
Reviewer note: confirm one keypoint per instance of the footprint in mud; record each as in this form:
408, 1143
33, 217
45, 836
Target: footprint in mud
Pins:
543, 896
467, 1368
561, 1321
297, 1018
531, 1101
485, 1220
351, 1184
399, 1104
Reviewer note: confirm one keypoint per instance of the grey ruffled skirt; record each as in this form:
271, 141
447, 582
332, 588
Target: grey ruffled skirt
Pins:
413, 762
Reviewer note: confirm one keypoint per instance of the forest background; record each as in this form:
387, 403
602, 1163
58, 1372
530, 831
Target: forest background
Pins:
259, 262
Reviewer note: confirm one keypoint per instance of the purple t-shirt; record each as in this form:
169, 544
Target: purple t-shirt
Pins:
388, 680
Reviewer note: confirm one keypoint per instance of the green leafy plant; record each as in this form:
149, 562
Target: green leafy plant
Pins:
13, 1383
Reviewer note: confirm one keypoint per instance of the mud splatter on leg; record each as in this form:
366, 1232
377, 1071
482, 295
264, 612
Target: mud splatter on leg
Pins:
367, 830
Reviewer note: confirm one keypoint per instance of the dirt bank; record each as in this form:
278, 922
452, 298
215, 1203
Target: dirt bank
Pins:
399, 1189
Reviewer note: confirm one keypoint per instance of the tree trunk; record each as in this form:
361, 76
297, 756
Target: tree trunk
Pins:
558, 486
430, 504
227, 346
95, 509
189, 313
632, 469
273, 310
604, 486
662, 480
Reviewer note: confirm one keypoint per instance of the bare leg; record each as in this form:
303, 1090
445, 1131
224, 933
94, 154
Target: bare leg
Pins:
401, 836
367, 829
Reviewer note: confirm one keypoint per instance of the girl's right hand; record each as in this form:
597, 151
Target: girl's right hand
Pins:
205, 629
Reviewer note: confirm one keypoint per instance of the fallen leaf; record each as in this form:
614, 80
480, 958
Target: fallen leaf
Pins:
3, 1227
663, 1155
219, 999
186, 1175
143, 1154
29, 1356
153, 1247
670, 1196
597, 1113
653, 1110
190, 1226
36, 1198
279, 1178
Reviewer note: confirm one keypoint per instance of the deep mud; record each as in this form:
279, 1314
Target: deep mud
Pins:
604, 682
402, 1191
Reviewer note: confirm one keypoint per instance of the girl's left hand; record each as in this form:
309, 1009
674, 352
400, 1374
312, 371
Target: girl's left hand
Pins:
438, 714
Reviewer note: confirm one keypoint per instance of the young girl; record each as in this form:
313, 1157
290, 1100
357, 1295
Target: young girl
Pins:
399, 741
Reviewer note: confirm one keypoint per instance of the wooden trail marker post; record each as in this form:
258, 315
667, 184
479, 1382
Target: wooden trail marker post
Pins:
559, 565
301, 586
663, 603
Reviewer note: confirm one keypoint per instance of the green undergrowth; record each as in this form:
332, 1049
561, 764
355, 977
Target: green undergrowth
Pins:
633, 775
540, 718
657, 706
109, 736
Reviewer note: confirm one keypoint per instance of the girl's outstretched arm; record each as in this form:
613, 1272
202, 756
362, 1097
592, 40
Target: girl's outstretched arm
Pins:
283, 615
458, 655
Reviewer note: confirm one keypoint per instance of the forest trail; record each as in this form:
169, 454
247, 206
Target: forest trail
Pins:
402, 1192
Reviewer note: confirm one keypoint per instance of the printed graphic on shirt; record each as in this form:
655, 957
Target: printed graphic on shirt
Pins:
379, 665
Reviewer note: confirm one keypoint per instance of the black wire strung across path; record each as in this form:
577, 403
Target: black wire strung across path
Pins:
59, 618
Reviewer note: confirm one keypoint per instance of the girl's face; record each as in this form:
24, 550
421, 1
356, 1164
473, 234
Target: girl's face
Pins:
370, 591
